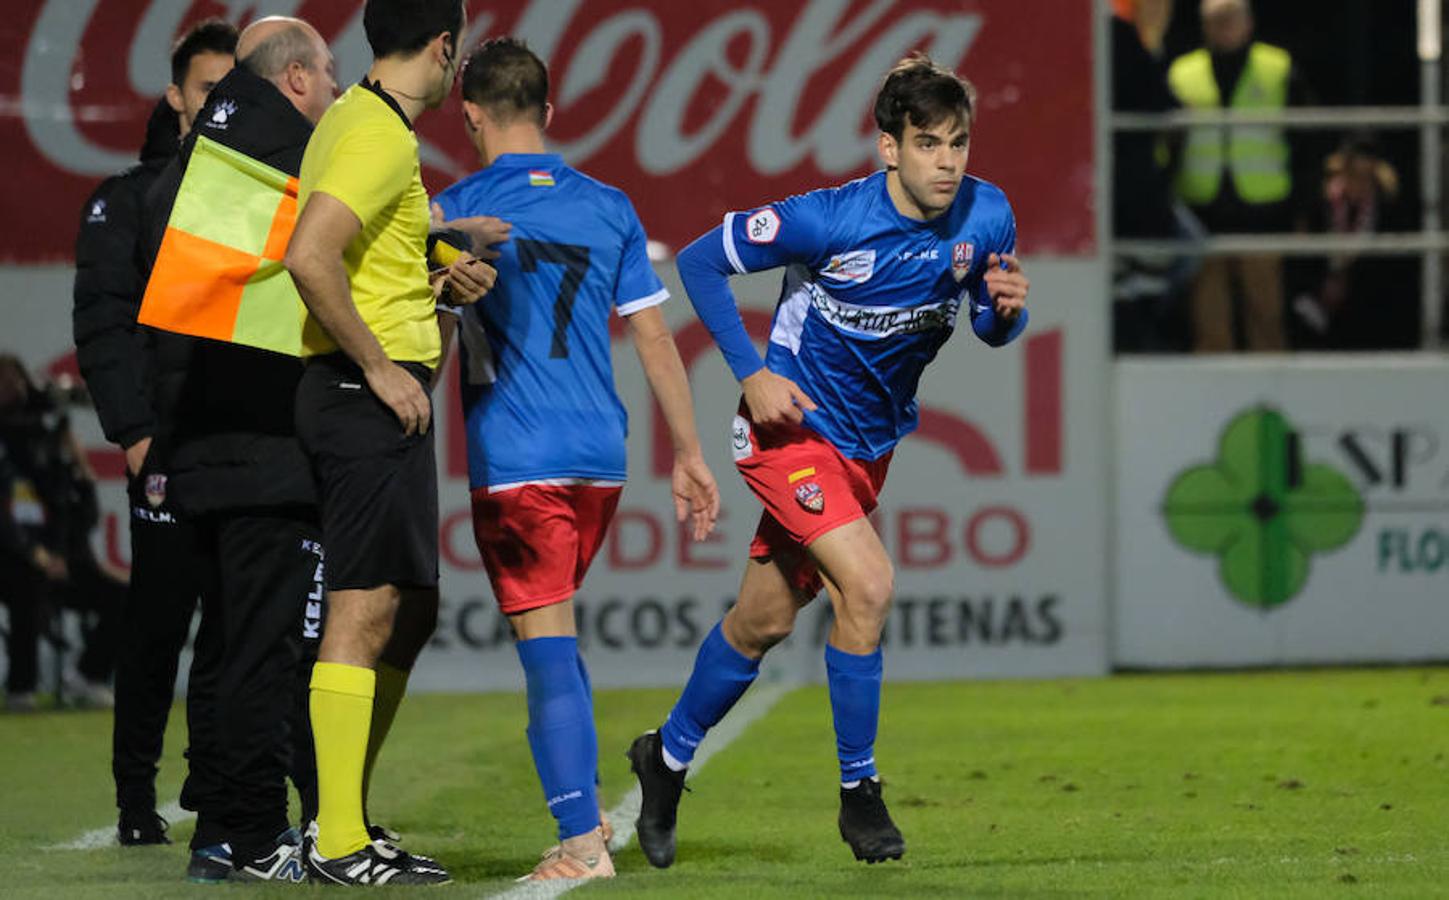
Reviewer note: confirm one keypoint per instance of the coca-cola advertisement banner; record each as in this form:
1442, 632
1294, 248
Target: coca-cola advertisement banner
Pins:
692, 108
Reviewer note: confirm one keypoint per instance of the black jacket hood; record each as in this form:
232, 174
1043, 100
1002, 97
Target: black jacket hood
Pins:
162, 136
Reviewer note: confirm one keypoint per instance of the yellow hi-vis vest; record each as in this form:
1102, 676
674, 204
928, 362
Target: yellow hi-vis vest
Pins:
1256, 154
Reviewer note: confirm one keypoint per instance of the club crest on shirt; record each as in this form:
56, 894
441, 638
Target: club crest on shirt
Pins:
762, 227
155, 490
854, 266
962, 255
810, 496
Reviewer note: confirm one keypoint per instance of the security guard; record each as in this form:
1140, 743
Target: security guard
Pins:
1239, 178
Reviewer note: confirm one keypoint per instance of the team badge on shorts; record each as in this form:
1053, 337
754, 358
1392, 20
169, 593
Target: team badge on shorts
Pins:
155, 490
740, 439
810, 496
961, 257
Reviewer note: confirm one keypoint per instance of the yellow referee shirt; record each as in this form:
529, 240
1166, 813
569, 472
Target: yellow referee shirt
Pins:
365, 154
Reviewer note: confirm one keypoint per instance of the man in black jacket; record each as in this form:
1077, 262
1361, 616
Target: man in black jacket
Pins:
110, 349
226, 445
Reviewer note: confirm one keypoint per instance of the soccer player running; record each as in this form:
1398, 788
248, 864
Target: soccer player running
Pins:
878, 270
545, 426
357, 256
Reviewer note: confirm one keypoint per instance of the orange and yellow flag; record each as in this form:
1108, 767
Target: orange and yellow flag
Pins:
219, 272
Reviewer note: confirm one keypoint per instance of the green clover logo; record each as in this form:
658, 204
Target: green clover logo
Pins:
1261, 511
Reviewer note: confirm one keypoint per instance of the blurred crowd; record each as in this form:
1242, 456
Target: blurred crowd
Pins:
1187, 184
48, 569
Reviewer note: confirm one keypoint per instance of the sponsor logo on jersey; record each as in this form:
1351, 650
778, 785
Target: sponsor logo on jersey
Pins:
221, 115
762, 227
540, 178
98, 212
155, 490
961, 257
856, 266
882, 321
925, 254
740, 439
810, 496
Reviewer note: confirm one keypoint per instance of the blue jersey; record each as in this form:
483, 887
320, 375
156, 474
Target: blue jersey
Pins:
870, 296
538, 378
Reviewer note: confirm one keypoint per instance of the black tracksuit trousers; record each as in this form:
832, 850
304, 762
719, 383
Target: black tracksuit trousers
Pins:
260, 627
165, 586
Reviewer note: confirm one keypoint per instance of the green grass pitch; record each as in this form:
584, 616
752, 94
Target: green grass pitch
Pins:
1296, 784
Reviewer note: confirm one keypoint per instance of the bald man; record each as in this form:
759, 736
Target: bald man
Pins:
227, 451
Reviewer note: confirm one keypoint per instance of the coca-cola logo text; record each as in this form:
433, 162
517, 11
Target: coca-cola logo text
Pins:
693, 109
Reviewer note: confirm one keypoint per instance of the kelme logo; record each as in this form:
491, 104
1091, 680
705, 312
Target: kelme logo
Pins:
1262, 510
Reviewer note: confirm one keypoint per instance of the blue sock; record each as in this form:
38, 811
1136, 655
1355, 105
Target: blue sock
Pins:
589, 692
720, 677
855, 702
561, 732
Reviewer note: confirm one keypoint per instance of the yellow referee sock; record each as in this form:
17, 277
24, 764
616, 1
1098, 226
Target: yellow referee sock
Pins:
341, 705
392, 683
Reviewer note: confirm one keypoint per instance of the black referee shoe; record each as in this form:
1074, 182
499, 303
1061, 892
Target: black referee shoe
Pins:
138, 828
378, 863
866, 825
660, 788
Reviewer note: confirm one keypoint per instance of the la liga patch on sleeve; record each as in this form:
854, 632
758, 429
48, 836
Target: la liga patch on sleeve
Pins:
762, 227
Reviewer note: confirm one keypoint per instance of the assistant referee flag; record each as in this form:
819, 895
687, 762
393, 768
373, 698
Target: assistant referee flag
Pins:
219, 272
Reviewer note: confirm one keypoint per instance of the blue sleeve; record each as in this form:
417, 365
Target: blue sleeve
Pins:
449, 204
791, 231
988, 327
705, 270
637, 286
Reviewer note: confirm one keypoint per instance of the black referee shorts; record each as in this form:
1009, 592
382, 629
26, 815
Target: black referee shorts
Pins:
379, 487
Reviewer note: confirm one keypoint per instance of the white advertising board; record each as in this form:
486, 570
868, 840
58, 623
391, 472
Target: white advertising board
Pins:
995, 512
1277, 511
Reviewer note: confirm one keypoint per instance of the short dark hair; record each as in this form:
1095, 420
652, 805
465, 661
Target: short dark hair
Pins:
403, 27
207, 36
506, 78
925, 94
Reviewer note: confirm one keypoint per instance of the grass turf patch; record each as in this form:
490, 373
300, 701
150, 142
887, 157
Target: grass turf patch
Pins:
1296, 784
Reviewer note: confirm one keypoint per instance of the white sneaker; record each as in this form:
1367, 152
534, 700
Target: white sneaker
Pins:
90, 694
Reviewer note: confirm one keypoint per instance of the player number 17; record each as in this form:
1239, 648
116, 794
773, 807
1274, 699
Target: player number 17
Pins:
575, 260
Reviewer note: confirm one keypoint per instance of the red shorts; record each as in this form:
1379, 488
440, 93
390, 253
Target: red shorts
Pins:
537, 540
807, 488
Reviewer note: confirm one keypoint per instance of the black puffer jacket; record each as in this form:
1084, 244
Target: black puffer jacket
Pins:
225, 436
109, 283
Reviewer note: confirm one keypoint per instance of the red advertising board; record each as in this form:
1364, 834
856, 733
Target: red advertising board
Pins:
692, 108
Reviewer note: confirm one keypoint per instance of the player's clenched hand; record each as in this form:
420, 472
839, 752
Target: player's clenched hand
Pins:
469, 278
696, 496
484, 230
403, 395
775, 400
1007, 285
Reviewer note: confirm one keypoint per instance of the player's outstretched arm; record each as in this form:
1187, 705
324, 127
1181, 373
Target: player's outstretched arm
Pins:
314, 260
696, 496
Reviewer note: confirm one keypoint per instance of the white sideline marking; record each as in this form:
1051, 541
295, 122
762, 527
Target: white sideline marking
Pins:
106, 837
751, 709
